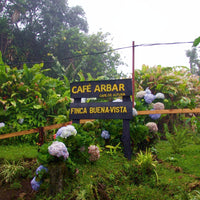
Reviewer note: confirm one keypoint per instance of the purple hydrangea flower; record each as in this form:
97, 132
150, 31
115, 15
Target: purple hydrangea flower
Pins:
41, 167
58, 149
35, 184
154, 116
149, 98
105, 134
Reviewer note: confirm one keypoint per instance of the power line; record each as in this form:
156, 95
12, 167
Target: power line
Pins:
112, 50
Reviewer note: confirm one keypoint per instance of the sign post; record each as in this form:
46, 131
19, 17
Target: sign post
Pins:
104, 110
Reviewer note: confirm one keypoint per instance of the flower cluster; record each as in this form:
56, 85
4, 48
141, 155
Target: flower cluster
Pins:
66, 131
152, 126
34, 183
94, 153
149, 98
105, 134
158, 106
58, 149
140, 94
160, 96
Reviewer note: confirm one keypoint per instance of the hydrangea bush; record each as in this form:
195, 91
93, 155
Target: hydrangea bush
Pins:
70, 147
144, 130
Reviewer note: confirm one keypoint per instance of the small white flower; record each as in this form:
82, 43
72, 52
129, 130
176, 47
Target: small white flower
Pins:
2, 124
134, 111
67, 131
21, 121
140, 94
160, 96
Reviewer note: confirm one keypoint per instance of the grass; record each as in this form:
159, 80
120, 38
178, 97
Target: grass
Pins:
17, 152
114, 177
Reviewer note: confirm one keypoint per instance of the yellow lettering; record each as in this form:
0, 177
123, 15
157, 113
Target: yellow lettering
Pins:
97, 89
115, 88
108, 87
73, 90
78, 110
125, 110
81, 89
121, 87
103, 88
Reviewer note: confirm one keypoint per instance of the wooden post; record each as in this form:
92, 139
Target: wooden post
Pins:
41, 136
76, 100
126, 139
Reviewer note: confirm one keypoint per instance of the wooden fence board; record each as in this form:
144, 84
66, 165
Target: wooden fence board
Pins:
170, 111
55, 126
36, 130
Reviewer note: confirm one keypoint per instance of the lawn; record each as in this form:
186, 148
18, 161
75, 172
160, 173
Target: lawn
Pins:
112, 176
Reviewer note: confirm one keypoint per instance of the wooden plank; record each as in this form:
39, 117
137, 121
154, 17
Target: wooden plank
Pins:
82, 121
26, 132
36, 130
171, 111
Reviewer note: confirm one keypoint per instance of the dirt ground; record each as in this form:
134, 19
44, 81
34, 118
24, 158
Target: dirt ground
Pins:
24, 193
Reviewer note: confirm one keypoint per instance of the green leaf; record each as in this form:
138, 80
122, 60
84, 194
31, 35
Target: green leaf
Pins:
196, 42
13, 103
37, 106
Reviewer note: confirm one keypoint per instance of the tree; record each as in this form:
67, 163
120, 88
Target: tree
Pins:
36, 31
92, 54
34, 23
194, 61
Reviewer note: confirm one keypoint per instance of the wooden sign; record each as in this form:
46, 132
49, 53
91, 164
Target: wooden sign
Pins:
101, 110
111, 88
104, 110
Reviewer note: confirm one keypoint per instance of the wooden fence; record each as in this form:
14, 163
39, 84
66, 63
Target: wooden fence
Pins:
41, 130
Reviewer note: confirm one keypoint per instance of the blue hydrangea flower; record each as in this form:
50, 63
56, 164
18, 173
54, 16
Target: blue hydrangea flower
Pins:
149, 98
35, 184
105, 134
41, 167
154, 116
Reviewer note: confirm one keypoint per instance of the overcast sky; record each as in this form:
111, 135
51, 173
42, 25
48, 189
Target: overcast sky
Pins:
146, 21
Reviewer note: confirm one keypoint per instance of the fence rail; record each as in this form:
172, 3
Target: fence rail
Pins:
41, 130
